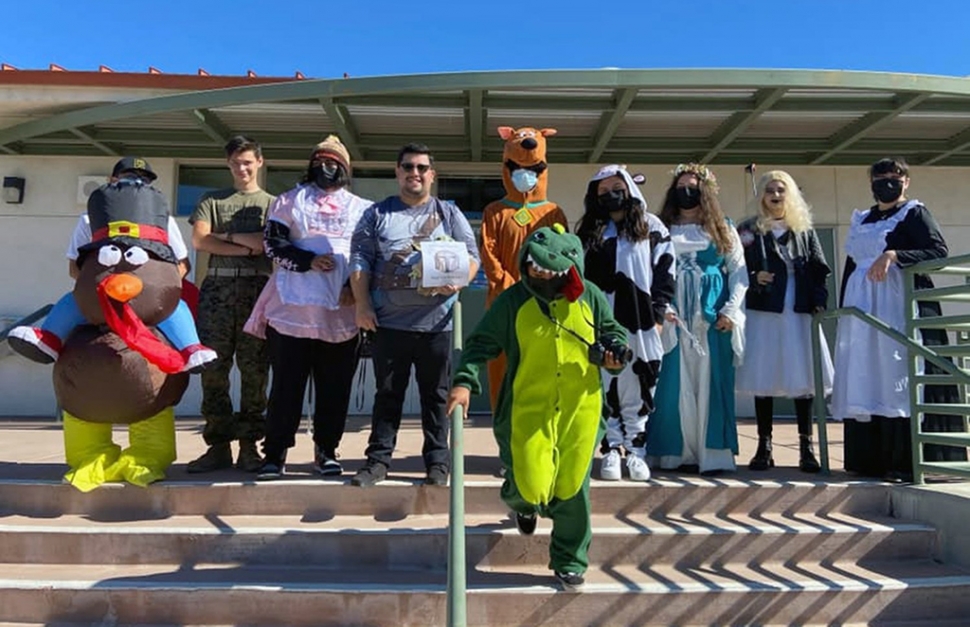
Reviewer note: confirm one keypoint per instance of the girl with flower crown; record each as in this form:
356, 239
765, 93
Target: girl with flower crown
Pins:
788, 273
694, 425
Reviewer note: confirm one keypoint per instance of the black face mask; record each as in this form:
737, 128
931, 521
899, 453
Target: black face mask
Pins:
613, 200
548, 289
325, 177
887, 190
687, 197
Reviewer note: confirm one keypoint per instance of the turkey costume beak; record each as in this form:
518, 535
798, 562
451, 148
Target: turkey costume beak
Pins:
122, 287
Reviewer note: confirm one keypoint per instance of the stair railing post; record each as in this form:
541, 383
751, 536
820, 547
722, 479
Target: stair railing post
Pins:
819, 400
456, 514
916, 414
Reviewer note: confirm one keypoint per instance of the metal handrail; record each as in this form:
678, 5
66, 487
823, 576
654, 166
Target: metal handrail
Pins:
959, 266
28, 319
457, 601
915, 349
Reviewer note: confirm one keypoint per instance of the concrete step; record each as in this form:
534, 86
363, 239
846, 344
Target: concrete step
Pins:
318, 499
421, 541
202, 594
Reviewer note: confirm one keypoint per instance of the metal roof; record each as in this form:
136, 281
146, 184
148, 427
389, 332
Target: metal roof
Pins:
631, 116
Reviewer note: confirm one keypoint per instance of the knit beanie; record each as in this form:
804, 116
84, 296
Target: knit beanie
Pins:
333, 147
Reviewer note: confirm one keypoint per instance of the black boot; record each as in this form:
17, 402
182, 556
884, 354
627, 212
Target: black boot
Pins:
762, 459
806, 457
763, 411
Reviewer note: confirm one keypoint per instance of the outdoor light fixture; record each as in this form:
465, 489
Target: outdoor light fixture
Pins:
13, 189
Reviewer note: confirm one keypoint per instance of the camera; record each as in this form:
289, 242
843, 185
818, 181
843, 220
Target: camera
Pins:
365, 345
597, 351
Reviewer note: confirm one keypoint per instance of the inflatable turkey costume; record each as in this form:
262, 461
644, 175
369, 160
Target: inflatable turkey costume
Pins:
116, 368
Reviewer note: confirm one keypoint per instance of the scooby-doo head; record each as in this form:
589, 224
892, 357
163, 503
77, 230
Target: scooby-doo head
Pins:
524, 170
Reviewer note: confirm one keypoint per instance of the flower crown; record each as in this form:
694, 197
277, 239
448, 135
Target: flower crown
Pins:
702, 172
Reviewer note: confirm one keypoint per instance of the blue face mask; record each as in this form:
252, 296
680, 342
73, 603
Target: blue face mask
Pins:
524, 180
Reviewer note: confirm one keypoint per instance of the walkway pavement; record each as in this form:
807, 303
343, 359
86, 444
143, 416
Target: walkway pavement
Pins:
34, 450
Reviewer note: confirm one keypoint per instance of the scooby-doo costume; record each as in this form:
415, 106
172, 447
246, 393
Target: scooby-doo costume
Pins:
506, 223
549, 419
117, 368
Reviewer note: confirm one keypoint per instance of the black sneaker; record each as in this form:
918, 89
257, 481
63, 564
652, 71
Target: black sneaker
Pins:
570, 581
525, 524
437, 475
373, 472
325, 462
270, 470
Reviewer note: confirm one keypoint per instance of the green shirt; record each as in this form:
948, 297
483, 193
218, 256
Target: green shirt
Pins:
231, 211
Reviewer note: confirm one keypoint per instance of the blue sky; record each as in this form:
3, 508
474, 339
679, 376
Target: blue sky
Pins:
370, 38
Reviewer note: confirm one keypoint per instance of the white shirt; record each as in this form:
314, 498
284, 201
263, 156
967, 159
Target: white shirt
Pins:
82, 236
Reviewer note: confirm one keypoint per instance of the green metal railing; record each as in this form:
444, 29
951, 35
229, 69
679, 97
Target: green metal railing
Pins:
939, 356
456, 506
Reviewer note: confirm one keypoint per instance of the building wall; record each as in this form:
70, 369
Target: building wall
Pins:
34, 235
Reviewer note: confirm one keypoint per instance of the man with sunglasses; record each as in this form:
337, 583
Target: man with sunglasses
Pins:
412, 325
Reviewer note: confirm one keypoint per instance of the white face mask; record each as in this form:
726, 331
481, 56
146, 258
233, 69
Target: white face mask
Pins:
524, 180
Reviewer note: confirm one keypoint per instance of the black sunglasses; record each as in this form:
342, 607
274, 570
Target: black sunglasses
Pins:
411, 167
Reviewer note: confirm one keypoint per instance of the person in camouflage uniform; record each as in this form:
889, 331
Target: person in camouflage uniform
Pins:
228, 224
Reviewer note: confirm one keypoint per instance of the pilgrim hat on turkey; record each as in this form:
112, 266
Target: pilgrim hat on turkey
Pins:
129, 213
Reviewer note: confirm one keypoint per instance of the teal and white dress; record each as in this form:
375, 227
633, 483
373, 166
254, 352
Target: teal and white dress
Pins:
695, 421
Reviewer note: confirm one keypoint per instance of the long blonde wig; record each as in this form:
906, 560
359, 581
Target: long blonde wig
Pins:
798, 213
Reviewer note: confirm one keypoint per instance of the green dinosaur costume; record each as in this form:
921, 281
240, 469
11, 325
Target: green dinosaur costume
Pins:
548, 420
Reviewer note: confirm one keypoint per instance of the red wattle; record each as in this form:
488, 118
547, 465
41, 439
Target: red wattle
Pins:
137, 336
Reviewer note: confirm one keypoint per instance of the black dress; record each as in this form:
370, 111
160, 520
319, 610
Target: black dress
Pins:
884, 445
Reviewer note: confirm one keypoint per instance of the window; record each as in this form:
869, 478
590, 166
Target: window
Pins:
472, 195
193, 181
278, 180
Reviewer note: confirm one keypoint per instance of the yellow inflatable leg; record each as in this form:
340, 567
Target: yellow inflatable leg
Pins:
150, 452
89, 452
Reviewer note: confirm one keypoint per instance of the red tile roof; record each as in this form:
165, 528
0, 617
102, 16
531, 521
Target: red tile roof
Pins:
152, 79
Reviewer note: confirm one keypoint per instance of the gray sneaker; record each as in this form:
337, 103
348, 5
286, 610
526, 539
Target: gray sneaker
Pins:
437, 475
370, 474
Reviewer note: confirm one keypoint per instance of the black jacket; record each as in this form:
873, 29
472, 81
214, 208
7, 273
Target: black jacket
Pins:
809, 269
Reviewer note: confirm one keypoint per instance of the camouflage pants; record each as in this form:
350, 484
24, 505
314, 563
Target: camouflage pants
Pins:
224, 306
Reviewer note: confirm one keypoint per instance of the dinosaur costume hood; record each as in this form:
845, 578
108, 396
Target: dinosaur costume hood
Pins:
559, 256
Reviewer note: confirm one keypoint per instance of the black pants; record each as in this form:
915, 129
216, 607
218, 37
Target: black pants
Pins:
293, 360
394, 352
878, 447
764, 409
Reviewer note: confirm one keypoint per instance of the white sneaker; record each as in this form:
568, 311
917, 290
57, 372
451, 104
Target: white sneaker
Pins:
638, 468
610, 469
